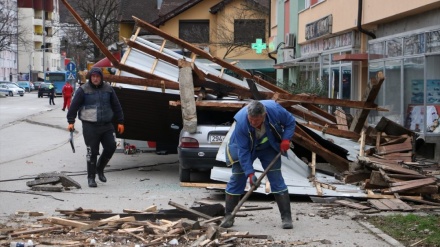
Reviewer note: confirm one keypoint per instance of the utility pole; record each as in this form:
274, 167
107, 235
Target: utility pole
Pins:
44, 40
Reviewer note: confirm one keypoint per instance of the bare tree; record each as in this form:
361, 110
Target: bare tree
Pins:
102, 18
238, 30
9, 31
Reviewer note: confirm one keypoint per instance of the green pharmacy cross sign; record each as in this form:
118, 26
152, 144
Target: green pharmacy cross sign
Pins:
259, 46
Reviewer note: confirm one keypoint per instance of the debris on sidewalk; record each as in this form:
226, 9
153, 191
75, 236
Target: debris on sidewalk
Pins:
78, 228
54, 182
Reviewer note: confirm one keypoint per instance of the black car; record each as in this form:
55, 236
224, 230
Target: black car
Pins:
43, 90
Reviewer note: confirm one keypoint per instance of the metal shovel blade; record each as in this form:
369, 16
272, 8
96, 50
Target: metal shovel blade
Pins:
71, 141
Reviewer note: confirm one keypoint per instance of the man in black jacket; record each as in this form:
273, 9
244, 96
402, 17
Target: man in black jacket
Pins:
96, 104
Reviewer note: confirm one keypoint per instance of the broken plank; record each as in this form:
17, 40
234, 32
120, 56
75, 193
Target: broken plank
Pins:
65, 222
33, 231
352, 204
424, 180
408, 198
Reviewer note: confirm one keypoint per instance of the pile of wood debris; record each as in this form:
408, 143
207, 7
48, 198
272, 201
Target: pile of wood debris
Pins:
87, 227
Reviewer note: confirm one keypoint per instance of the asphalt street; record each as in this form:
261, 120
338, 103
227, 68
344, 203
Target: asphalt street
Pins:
34, 140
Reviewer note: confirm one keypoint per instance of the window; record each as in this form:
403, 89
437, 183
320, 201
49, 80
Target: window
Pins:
194, 31
247, 31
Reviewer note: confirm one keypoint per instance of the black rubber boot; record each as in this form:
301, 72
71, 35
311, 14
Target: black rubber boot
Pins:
283, 201
102, 162
91, 173
230, 202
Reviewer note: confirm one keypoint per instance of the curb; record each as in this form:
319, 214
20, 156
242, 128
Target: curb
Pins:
387, 238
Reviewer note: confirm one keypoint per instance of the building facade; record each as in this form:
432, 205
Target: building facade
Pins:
39, 51
343, 44
8, 43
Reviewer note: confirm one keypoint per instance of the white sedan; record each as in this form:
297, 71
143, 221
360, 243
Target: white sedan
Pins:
10, 89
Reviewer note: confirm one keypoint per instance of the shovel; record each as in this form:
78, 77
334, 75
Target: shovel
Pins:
71, 141
255, 185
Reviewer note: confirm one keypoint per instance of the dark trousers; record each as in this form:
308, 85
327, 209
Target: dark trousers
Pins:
51, 96
96, 134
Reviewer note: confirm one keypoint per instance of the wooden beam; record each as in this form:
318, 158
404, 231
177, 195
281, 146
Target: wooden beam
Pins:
309, 117
320, 112
372, 92
301, 138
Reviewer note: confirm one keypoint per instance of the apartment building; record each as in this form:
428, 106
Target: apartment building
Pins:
39, 50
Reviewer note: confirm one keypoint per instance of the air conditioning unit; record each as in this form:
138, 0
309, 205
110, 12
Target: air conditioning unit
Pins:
290, 40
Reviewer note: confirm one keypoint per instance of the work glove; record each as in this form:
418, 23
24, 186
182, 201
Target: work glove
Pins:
121, 128
284, 146
70, 127
252, 179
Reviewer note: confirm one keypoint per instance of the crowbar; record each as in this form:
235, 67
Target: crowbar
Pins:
71, 141
253, 187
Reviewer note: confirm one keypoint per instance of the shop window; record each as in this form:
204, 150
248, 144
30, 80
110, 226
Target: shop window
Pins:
433, 41
247, 31
394, 47
433, 94
376, 49
194, 31
414, 44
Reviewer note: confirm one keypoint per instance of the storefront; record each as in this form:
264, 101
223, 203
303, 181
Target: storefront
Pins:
411, 91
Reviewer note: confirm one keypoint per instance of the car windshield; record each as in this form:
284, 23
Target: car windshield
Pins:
12, 86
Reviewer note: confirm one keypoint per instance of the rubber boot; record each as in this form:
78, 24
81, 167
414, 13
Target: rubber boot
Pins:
91, 173
230, 202
283, 201
102, 162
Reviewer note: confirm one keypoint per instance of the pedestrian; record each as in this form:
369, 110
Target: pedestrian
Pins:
262, 130
67, 95
51, 94
96, 104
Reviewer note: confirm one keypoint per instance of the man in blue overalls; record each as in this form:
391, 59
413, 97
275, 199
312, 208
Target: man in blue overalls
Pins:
262, 130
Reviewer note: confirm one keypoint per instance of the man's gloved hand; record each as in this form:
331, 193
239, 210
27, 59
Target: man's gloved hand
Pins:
71, 127
285, 145
252, 179
121, 129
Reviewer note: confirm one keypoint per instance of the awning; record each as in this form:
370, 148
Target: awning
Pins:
105, 62
296, 62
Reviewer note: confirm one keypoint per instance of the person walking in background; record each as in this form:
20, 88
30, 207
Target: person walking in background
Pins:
67, 95
96, 104
51, 94
262, 130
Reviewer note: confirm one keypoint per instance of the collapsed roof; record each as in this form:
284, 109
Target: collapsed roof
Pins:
150, 87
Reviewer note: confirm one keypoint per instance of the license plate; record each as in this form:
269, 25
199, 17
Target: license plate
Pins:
216, 138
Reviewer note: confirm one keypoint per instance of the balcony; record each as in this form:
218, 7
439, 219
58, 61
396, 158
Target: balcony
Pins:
38, 21
38, 37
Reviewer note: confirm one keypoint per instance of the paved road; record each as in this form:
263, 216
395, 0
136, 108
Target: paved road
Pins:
33, 140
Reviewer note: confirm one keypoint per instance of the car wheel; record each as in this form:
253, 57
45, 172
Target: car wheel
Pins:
11, 94
21, 95
184, 174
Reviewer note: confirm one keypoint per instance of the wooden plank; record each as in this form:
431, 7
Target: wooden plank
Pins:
378, 204
414, 184
371, 94
395, 148
203, 185
332, 131
423, 181
427, 189
382, 164
205, 216
341, 119
411, 199
352, 204
34, 231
